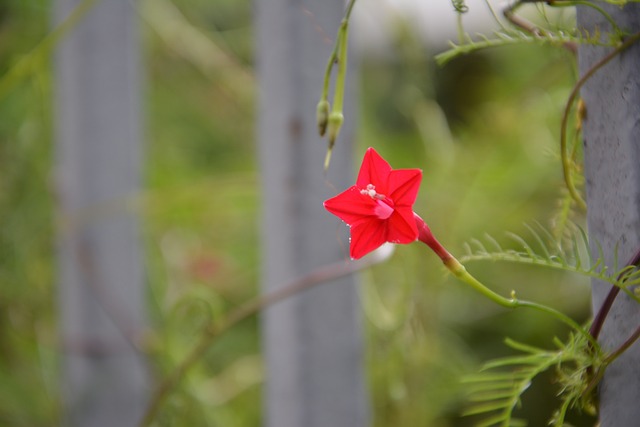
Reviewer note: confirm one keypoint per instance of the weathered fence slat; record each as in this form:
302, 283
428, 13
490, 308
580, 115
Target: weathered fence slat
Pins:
98, 156
612, 170
312, 342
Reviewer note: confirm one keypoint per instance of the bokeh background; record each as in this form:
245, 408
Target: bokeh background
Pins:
484, 129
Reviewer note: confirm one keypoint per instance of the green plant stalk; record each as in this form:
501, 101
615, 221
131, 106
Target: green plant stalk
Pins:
44, 48
564, 152
334, 54
332, 122
460, 8
336, 117
327, 73
461, 273
492, 10
581, 114
338, 95
460, 28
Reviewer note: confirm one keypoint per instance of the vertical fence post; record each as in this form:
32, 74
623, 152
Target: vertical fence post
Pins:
612, 171
312, 342
98, 154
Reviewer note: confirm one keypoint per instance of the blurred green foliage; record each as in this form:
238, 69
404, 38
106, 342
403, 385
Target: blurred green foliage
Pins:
28, 390
484, 129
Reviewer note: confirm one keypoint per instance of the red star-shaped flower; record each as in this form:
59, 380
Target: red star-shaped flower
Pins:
379, 208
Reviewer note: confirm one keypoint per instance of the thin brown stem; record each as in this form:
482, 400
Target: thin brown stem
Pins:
595, 380
623, 347
523, 24
605, 308
323, 274
598, 320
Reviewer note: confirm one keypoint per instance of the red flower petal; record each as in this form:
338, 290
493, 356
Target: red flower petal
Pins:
366, 236
374, 170
403, 186
351, 206
379, 208
401, 226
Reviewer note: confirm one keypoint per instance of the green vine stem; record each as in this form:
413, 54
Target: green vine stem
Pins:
461, 8
336, 117
564, 152
331, 122
212, 332
461, 273
333, 58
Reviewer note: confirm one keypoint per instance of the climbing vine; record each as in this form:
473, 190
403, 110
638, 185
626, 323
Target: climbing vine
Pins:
578, 363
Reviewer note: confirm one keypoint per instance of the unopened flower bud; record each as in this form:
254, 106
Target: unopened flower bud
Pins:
335, 123
322, 116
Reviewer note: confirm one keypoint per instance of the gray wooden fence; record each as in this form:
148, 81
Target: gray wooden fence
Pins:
312, 342
98, 156
612, 170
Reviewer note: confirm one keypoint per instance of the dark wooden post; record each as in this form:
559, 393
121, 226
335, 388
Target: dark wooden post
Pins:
98, 156
612, 169
312, 342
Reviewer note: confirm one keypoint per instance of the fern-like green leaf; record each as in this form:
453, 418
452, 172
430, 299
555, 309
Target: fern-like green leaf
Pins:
506, 37
546, 251
621, 2
496, 391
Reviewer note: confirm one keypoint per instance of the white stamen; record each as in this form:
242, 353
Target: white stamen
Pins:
369, 191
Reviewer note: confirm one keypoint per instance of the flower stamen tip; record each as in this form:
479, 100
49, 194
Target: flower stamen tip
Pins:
371, 192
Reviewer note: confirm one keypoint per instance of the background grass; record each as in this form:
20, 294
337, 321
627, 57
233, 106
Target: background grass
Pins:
484, 129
